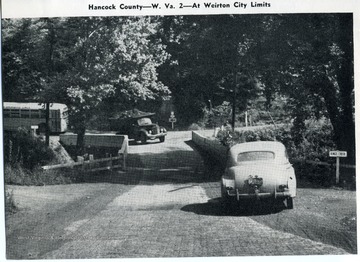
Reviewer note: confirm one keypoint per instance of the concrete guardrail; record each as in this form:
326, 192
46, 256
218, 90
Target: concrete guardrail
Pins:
218, 151
212, 146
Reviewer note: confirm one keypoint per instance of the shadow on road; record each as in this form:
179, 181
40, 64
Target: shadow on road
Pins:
168, 165
214, 207
160, 165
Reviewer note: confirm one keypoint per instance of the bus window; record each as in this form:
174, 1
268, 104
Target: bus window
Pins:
34, 113
54, 114
25, 113
42, 114
6, 112
15, 113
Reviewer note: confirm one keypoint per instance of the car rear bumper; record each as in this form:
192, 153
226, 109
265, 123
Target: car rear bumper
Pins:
256, 194
253, 193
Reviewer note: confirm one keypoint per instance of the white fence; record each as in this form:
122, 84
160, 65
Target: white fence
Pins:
95, 140
107, 163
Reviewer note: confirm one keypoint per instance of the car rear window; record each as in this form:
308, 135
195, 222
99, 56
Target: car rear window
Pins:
255, 156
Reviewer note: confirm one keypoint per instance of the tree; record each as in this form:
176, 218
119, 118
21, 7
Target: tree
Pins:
29, 63
310, 59
207, 56
305, 58
84, 62
116, 65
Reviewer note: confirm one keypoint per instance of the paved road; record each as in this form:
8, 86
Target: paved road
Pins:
160, 207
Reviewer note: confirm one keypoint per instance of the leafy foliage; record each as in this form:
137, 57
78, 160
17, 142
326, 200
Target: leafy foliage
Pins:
22, 149
315, 146
92, 64
306, 63
306, 59
10, 205
219, 114
206, 64
17, 175
292, 65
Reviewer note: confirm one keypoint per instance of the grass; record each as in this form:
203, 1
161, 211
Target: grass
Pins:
10, 206
17, 175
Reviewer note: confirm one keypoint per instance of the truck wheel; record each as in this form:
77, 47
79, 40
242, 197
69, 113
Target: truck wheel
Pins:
143, 138
162, 139
289, 203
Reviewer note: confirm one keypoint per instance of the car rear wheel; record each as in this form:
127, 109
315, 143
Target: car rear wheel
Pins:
226, 201
277, 204
228, 204
289, 203
223, 193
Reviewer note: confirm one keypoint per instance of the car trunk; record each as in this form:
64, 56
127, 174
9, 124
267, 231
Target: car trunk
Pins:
267, 177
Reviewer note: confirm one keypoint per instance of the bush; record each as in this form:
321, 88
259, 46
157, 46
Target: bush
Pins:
10, 206
21, 148
194, 126
315, 144
23, 155
17, 175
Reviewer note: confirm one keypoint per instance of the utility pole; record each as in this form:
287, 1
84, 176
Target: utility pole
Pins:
47, 121
50, 72
246, 118
234, 102
233, 109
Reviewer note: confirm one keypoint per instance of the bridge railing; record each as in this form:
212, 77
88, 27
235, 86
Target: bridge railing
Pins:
108, 163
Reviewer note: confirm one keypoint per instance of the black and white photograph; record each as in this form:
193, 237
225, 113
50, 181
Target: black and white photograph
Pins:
201, 135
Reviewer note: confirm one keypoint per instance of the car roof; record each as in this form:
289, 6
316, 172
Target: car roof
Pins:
273, 146
132, 117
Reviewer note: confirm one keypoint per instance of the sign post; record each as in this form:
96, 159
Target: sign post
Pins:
172, 119
337, 154
33, 130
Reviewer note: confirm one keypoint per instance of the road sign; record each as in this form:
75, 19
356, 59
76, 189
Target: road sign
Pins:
338, 154
172, 119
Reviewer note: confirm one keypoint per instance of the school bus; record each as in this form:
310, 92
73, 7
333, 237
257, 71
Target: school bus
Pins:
26, 115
